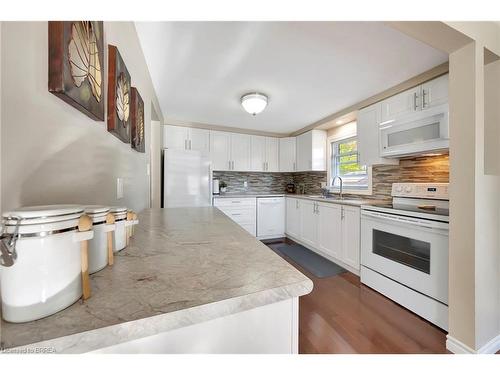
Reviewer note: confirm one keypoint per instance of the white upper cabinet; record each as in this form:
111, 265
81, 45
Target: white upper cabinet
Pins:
199, 140
287, 154
401, 104
272, 154
311, 151
420, 98
240, 152
175, 137
435, 92
258, 153
367, 126
264, 154
182, 138
220, 150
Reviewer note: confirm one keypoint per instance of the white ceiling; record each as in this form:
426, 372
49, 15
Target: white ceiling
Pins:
309, 70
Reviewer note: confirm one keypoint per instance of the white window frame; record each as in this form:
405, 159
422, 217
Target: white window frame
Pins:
350, 189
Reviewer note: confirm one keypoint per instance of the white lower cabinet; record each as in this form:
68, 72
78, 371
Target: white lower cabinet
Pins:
330, 229
308, 223
292, 222
351, 236
242, 211
263, 217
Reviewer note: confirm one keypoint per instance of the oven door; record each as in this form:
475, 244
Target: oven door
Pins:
410, 251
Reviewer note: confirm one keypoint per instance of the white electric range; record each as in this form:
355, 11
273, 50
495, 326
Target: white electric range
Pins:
404, 249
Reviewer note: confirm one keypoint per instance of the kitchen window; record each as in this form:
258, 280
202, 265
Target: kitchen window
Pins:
344, 163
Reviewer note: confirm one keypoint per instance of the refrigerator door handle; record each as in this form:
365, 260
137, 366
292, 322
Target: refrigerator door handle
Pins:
210, 185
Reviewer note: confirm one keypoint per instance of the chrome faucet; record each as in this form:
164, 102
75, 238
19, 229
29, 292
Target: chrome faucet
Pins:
341, 184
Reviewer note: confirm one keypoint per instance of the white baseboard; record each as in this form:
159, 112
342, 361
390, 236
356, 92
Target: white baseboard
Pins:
457, 347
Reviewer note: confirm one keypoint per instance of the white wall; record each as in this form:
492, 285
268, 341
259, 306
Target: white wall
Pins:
474, 200
1, 116
51, 152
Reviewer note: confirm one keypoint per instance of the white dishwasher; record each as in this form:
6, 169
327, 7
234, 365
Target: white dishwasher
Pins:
270, 217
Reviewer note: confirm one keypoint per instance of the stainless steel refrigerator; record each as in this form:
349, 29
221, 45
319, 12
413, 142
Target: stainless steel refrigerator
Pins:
187, 179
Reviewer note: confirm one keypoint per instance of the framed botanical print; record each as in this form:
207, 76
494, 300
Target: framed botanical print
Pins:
119, 119
76, 63
137, 117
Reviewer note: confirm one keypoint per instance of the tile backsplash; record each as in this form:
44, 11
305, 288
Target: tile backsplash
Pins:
417, 169
257, 182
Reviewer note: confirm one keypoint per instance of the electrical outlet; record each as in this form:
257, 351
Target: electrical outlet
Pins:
245, 184
119, 188
148, 169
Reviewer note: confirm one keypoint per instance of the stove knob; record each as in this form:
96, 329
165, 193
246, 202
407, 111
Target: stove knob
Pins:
408, 189
399, 188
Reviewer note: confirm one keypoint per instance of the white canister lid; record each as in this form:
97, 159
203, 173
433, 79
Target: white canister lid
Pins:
97, 213
96, 209
42, 214
118, 210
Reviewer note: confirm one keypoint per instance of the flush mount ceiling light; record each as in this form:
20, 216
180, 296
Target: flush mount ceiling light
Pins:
254, 102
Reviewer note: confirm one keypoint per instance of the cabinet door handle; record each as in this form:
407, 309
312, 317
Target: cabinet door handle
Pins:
190, 145
317, 208
185, 144
415, 97
423, 98
342, 214
263, 165
232, 165
294, 168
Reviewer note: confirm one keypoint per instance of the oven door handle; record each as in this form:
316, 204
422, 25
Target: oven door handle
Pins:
406, 220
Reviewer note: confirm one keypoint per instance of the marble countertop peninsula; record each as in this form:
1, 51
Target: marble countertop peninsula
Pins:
183, 266
249, 195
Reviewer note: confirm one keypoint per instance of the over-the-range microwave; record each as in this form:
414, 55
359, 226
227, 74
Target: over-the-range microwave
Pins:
419, 133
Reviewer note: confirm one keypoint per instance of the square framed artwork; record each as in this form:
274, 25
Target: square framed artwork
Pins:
119, 119
137, 118
76, 64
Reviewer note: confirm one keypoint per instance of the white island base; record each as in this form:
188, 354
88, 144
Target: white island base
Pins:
269, 329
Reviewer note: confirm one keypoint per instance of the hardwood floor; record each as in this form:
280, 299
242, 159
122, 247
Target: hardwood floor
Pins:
341, 315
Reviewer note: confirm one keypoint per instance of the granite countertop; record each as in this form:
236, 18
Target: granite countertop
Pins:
317, 197
249, 195
346, 201
183, 266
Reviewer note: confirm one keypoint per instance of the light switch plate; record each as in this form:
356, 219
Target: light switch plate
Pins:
119, 188
148, 169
